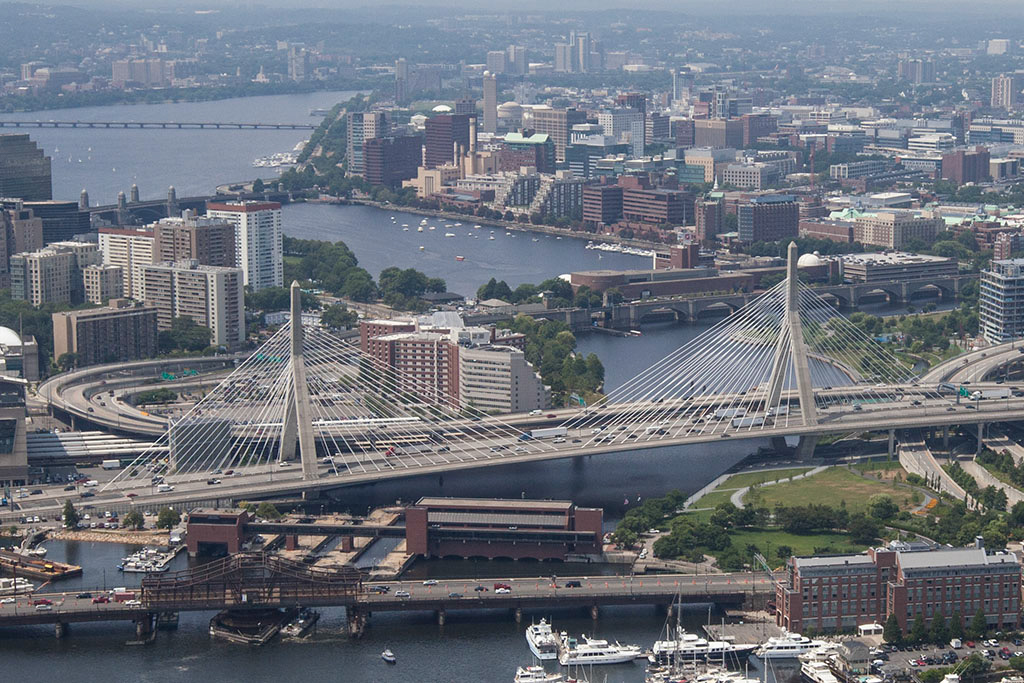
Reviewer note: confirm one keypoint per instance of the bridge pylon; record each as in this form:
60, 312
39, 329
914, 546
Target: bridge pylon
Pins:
298, 417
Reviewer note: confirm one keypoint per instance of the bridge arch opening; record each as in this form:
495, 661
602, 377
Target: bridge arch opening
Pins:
877, 295
718, 309
663, 315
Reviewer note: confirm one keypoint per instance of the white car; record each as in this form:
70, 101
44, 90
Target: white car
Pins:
401, 594
8, 601
133, 603
430, 582
502, 590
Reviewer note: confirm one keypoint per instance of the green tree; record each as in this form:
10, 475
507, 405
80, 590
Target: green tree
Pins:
627, 538
891, 632
979, 625
974, 665
185, 335
70, 515
956, 625
67, 361
882, 506
783, 552
257, 186
134, 520
1017, 663
338, 317
938, 634
167, 518
918, 630
267, 510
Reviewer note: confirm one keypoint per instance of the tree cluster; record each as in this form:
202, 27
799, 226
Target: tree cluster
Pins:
185, 335
550, 348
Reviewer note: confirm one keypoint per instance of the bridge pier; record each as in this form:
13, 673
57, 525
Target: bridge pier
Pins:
779, 444
594, 612
892, 443
517, 614
60, 630
144, 627
442, 616
805, 447
981, 438
945, 438
357, 621
167, 621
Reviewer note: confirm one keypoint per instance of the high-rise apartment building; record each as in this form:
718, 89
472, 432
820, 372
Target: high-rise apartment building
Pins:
517, 60
557, 123
1006, 90
131, 249
710, 215
445, 135
361, 126
52, 274
497, 61
916, 70
1001, 301
211, 296
210, 241
102, 283
966, 166
490, 102
257, 240
298, 63
120, 332
768, 219
390, 159
24, 169
499, 379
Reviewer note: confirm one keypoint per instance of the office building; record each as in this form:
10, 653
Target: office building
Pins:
517, 63
130, 249
23, 228
618, 123
768, 219
518, 150
257, 240
655, 206
718, 133
497, 61
1006, 91
756, 126
966, 166
895, 265
557, 123
359, 127
895, 229
391, 159
119, 332
211, 296
602, 205
490, 102
102, 283
208, 240
447, 135
916, 70
13, 445
62, 221
710, 215
751, 176
24, 169
841, 592
584, 152
713, 161
858, 169
498, 379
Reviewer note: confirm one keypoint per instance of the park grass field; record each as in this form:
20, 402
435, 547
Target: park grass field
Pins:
831, 487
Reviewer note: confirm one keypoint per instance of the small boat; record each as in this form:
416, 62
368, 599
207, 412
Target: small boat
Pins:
478, 225
535, 239
507, 233
458, 224
558, 238
491, 237
460, 258
388, 656
405, 225
405, 229
536, 674
422, 247
419, 229
449, 234
588, 651
787, 646
37, 552
432, 227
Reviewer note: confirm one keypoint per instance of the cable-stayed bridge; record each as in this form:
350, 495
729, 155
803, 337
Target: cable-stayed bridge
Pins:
308, 411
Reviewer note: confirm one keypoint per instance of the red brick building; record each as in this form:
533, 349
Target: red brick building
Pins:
391, 159
966, 166
493, 528
602, 204
840, 592
215, 531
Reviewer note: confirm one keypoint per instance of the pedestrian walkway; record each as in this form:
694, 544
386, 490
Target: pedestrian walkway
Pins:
737, 497
986, 479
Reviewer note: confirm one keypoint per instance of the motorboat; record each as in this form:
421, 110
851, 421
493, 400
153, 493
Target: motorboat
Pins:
491, 237
449, 234
536, 674
37, 552
16, 586
388, 656
460, 258
302, 623
586, 651
422, 247
535, 239
405, 229
419, 229
687, 646
542, 640
787, 646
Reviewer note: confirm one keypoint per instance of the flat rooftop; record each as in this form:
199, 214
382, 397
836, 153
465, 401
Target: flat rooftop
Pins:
495, 503
897, 258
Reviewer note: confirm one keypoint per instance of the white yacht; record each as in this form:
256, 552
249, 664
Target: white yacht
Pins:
593, 651
787, 646
536, 674
542, 640
689, 646
817, 672
16, 586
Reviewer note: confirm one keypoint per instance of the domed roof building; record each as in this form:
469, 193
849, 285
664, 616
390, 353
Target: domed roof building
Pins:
18, 358
810, 260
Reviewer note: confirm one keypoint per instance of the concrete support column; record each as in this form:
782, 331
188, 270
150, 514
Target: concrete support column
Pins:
981, 438
357, 621
517, 614
441, 617
144, 627
779, 444
60, 630
945, 438
892, 443
291, 542
805, 447
594, 612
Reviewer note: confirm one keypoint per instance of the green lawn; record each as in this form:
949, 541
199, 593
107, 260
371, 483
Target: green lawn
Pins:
714, 499
876, 465
738, 481
768, 540
833, 486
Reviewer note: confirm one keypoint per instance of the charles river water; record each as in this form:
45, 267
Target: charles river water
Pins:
472, 646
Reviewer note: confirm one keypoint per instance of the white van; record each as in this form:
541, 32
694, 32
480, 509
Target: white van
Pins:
164, 488
92, 482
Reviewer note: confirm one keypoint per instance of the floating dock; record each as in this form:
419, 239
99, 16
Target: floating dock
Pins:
16, 564
250, 627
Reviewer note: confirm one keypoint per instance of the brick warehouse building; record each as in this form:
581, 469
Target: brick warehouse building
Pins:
833, 592
492, 528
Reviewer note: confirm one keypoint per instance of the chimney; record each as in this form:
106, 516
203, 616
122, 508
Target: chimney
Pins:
472, 134
979, 542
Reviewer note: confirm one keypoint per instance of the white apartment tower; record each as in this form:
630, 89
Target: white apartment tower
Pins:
257, 240
131, 249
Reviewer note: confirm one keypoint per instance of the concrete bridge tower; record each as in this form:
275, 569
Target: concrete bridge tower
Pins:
298, 418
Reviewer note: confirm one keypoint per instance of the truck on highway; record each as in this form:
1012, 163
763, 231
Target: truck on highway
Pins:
747, 421
548, 432
778, 410
111, 464
730, 412
413, 448
999, 392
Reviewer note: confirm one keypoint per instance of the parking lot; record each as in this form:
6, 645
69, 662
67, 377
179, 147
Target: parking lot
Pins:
901, 659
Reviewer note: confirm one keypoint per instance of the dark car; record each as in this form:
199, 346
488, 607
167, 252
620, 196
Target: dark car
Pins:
84, 596
69, 487
36, 492
88, 494
481, 589
454, 595
573, 584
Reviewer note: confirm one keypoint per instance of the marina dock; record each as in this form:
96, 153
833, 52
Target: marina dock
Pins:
744, 627
16, 564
